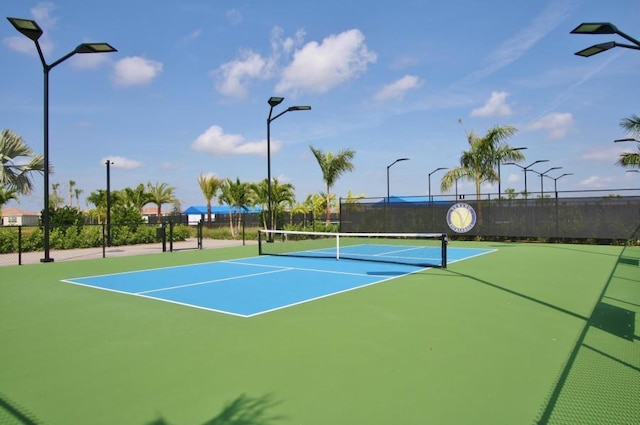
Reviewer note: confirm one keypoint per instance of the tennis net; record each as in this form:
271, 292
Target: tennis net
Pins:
419, 249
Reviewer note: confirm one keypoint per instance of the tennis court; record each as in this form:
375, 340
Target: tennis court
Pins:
251, 286
519, 334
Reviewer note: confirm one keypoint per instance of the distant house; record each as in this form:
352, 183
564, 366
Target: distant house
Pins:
15, 217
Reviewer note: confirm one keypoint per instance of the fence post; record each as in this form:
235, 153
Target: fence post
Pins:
104, 243
20, 245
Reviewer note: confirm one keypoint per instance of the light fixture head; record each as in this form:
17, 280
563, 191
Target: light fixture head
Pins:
275, 101
27, 27
95, 48
596, 48
299, 108
595, 28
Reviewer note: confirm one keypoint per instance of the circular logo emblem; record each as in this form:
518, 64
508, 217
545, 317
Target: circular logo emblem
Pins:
461, 218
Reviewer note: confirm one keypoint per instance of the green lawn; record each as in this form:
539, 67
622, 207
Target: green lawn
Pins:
532, 333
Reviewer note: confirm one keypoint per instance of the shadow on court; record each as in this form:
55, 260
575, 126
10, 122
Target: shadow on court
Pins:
244, 410
600, 381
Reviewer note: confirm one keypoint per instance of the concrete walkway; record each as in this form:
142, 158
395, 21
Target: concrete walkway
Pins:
116, 251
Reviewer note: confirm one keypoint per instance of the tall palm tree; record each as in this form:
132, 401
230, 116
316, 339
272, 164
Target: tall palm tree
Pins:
209, 185
71, 185
160, 193
261, 198
77, 192
332, 167
630, 159
55, 200
238, 196
479, 163
14, 173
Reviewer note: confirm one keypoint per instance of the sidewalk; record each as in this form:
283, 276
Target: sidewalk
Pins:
117, 251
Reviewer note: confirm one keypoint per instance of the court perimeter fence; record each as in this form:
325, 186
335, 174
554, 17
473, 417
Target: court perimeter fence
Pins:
23, 244
602, 217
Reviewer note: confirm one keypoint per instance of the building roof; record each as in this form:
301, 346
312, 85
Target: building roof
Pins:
217, 209
13, 211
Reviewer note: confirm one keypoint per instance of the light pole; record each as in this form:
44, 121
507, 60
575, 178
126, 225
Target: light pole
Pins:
541, 180
32, 30
603, 28
500, 178
437, 169
275, 101
555, 181
108, 163
626, 140
525, 169
389, 166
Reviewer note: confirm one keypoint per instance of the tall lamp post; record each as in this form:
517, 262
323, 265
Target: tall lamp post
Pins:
273, 102
500, 178
555, 181
437, 169
32, 30
108, 163
541, 179
525, 169
603, 28
389, 166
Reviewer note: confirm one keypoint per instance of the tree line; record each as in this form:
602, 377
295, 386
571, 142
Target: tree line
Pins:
19, 164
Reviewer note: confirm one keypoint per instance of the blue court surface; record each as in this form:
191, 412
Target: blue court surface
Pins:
251, 286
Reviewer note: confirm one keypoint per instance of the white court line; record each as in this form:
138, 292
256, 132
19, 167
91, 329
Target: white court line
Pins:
298, 268
206, 282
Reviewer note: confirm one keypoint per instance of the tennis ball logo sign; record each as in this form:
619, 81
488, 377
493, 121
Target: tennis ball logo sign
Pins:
461, 218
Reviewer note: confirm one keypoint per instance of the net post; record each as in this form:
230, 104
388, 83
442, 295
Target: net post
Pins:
445, 242
259, 242
337, 246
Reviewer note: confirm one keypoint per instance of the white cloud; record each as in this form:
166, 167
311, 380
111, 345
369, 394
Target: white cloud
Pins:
216, 142
513, 178
597, 182
134, 70
122, 162
319, 67
42, 14
234, 16
518, 44
89, 61
557, 124
398, 88
192, 36
496, 106
608, 154
234, 76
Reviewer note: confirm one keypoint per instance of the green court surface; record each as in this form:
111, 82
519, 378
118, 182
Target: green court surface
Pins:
529, 334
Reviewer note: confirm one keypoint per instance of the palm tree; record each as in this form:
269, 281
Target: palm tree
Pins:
478, 164
77, 193
630, 159
137, 197
6, 194
15, 174
238, 196
55, 200
333, 166
160, 193
71, 185
261, 198
209, 186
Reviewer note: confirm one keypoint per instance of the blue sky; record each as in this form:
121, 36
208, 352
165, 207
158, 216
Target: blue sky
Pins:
187, 91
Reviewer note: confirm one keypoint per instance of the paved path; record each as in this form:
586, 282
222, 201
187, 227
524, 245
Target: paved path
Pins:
116, 251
